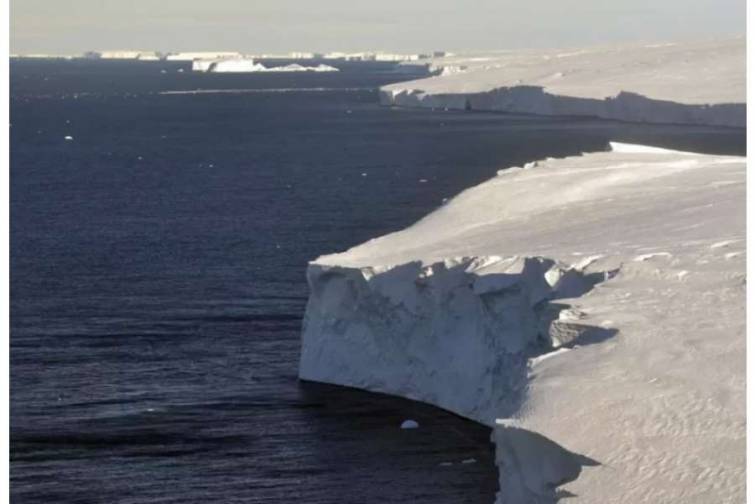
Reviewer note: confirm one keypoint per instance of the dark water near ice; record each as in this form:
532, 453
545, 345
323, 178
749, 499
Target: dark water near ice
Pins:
157, 279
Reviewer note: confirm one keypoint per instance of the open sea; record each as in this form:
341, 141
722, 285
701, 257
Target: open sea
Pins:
158, 278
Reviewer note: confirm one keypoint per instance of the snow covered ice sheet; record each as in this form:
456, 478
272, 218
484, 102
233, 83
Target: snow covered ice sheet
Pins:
591, 309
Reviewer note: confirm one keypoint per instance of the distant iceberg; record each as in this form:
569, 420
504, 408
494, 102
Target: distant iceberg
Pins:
299, 68
226, 65
248, 65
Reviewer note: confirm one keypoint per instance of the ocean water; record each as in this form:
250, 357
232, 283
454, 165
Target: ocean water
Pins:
158, 287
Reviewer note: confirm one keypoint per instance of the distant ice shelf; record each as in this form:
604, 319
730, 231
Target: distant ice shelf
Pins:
591, 310
690, 82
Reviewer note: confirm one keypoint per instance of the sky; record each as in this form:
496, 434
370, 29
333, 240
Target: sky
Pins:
74, 26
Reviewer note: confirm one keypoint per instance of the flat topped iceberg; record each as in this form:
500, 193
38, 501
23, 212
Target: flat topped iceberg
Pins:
226, 65
590, 309
248, 65
295, 67
699, 83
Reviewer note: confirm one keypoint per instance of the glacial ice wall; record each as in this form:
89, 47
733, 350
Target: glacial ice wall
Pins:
435, 332
626, 106
460, 334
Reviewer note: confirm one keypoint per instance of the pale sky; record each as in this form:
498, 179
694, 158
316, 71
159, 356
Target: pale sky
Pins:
73, 26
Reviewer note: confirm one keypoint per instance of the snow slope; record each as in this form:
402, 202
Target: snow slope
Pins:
591, 309
699, 83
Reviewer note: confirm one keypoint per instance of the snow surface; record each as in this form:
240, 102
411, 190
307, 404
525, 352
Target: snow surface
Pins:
590, 309
700, 83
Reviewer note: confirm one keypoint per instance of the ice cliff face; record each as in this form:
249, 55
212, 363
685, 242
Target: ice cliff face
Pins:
434, 332
693, 83
589, 309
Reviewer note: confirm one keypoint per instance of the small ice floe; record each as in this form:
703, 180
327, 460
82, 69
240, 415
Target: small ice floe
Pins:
364, 174
68, 138
446, 464
180, 70
423, 181
469, 461
139, 158
409, 424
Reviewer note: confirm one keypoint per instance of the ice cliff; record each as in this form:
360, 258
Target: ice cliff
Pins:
591, 310
695, 83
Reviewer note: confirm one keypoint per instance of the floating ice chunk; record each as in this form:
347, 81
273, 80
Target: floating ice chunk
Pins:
409, 424
68, 138
469, 461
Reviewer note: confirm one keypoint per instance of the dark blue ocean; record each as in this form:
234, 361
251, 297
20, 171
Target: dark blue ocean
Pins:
158, 278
